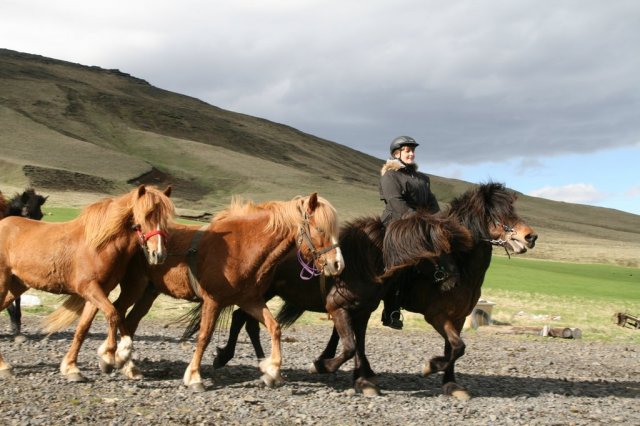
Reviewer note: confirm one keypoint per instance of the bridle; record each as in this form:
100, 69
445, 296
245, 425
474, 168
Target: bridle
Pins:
309, 270
146, 236
500, 242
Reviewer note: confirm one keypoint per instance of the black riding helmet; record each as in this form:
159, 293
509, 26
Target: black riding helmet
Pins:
401, 141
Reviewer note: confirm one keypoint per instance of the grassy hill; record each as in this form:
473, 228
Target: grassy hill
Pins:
78, 133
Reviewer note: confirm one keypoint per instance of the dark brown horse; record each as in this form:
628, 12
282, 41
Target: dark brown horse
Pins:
356, 293
29, 205
487, 211
86, 257
233, 262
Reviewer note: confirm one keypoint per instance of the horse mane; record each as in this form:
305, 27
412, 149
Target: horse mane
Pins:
284, 215
488, 202
4, 206
108, 218
422, 236
362, 239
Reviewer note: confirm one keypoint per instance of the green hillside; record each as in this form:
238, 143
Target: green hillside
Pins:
78, 132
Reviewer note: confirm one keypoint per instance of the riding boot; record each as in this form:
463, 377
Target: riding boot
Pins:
391, 315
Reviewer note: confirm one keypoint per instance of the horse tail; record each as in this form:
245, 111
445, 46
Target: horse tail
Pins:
65, 315
288, 314
193, 316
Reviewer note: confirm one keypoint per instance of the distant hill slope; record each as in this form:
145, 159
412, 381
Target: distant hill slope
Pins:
69, 129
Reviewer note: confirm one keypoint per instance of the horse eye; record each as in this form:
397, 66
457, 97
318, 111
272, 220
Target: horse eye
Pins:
320, 230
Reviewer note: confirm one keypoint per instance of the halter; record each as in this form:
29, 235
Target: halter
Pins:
144, 237
309, 270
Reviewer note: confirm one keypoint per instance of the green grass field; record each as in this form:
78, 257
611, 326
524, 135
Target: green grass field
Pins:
526, 292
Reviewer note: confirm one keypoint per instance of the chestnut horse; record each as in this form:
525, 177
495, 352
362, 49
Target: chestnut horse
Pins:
356, 293
86, 257
231, 262
29, 205
486, 210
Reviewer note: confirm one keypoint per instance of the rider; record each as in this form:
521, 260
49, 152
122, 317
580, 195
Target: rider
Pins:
403, 189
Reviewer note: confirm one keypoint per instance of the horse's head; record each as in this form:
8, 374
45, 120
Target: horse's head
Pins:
318, 234
506, 228
427, 242
152, 209
28, 204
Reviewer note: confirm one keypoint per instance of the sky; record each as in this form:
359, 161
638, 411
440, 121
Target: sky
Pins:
543, 96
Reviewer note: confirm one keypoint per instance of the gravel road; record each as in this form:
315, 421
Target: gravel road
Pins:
514, 380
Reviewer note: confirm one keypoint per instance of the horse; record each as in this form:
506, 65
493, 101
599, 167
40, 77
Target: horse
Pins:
486, 211
355, 294
29, 205
87, 257
229, 262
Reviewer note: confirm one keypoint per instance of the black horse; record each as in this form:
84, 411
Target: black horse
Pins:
28, 204
486, 211
356, 293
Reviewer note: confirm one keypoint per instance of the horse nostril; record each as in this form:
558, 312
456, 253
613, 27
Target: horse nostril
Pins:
531, 239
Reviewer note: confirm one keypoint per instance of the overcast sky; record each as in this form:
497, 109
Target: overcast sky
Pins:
542, 95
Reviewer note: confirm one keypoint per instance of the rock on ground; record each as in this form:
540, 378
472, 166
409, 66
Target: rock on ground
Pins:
513, 380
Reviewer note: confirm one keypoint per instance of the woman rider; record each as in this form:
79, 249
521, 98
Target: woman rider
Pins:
403, 189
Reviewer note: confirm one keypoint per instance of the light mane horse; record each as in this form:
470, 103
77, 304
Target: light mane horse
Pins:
86, 257
234, 260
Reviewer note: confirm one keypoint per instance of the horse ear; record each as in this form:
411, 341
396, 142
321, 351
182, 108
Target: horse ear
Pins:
313, 203
141, 190
167, 191
42, 200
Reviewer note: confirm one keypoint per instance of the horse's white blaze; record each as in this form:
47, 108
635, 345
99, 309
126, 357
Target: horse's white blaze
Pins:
159, 242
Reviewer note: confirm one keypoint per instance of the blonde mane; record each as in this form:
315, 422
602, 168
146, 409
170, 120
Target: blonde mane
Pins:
108, 218
284, 215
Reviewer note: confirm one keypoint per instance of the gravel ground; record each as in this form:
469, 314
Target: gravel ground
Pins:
513, 380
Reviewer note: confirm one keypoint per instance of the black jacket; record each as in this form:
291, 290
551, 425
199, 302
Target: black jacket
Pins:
404, 189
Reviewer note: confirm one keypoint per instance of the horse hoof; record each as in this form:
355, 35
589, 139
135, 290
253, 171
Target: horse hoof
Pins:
19, 339
272, 382
313, 369
217, 363
196, 387
370, 391
366, 387
104, 367
6, 373
76, 378
456, 391
426, 369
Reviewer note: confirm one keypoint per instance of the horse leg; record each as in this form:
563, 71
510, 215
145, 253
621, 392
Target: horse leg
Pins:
5, 368
68, 366
225, 353
454, 348
210, 312
364, 379
15, 315
332, 345
269, 366
94, 293
12, 303
342, 324
142, 302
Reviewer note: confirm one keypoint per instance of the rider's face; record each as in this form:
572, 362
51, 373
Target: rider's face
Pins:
406, 154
